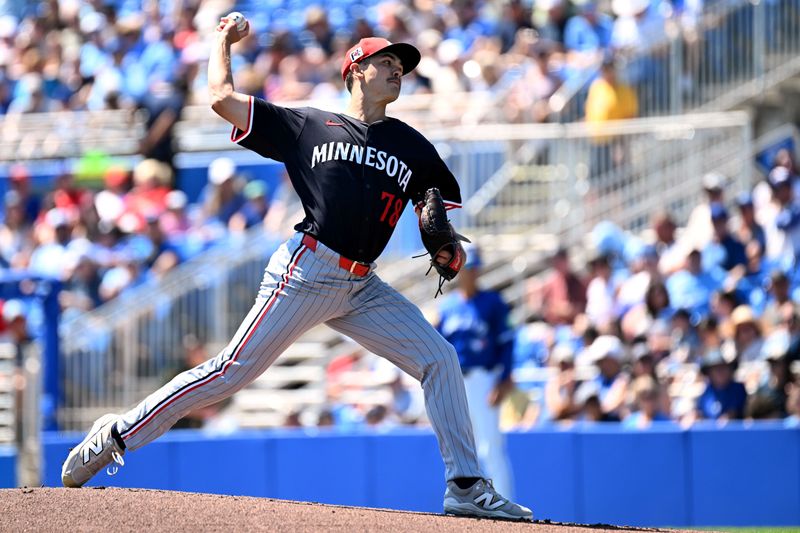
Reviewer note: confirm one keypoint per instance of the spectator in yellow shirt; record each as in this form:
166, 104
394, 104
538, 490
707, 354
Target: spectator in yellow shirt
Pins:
608, 99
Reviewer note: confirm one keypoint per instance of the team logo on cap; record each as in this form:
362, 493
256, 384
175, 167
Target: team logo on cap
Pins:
355, 54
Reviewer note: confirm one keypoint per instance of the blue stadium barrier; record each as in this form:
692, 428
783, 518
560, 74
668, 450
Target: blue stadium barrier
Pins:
738, 475
8, 467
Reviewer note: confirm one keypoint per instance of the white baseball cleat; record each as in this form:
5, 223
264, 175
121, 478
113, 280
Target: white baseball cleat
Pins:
482, 500
97, 450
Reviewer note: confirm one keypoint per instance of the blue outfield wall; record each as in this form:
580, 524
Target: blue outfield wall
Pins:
707, 476
8, 467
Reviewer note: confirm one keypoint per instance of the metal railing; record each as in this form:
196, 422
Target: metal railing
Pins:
8, 394
560, 180
69, 134
30, 434
737, 50
115, 355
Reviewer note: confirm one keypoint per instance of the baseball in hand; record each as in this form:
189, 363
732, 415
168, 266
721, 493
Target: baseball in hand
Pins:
238, 18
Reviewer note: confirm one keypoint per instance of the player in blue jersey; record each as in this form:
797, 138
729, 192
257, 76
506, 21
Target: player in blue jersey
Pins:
476, 323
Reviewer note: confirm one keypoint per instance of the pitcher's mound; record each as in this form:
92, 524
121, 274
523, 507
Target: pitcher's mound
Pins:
99, 509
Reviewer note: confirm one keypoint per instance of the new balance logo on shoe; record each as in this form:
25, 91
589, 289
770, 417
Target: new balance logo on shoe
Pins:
486, 499
95, 447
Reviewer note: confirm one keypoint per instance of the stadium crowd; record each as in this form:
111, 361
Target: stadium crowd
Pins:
136, 227
125, 54
698, 325
671, 325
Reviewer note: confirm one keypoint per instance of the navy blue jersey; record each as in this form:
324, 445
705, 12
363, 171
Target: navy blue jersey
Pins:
354, 179
479, 330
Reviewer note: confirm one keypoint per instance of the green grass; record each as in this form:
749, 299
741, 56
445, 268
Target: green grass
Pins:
755, 529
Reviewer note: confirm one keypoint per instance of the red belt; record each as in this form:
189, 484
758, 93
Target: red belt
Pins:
354, 267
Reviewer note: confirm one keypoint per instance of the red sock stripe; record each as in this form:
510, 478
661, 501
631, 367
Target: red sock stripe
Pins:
221, 372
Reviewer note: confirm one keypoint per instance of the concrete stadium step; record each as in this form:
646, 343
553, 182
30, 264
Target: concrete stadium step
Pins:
283, 376
302, 351
278, 400
260, 420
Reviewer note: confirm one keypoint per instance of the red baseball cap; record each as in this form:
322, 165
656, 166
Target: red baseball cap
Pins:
409, 56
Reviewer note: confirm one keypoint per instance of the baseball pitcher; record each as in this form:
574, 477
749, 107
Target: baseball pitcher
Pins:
354, 172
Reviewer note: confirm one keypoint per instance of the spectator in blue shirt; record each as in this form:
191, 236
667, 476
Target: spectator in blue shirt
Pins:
476, 323
723, 398
647, 396
255, 208
783, 233
749, 229
691, 288
611, 383
724, 251
588, 33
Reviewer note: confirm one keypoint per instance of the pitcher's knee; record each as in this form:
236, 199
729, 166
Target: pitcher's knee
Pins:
445, 359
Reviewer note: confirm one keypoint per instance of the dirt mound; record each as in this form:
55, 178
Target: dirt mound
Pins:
99, 509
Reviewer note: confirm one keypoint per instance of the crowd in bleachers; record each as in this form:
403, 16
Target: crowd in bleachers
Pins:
653, 314
680, 324
124, 54
100, 242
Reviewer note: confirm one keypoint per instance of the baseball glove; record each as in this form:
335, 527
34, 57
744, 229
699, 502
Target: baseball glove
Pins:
439, 237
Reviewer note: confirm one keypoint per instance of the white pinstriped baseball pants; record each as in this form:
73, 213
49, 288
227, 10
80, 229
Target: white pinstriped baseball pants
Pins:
302, 288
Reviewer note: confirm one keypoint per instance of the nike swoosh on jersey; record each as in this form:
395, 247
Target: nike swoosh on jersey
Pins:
332, 123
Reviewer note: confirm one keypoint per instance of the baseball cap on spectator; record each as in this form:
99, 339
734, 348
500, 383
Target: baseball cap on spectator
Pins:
473, 256
629, 8
369, 46
607, 238
776, 346
176, 199
152, 169
221, 170
562, 352
779, 176
713, 358
718, 211
586, 391
449, 51
130, 223
547, 5
115, 176
56, 218
109, 206
92, 22
8, 26
12, 310
714, 181
606, 346
744, 199
743, 314
255, 189
636, 249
